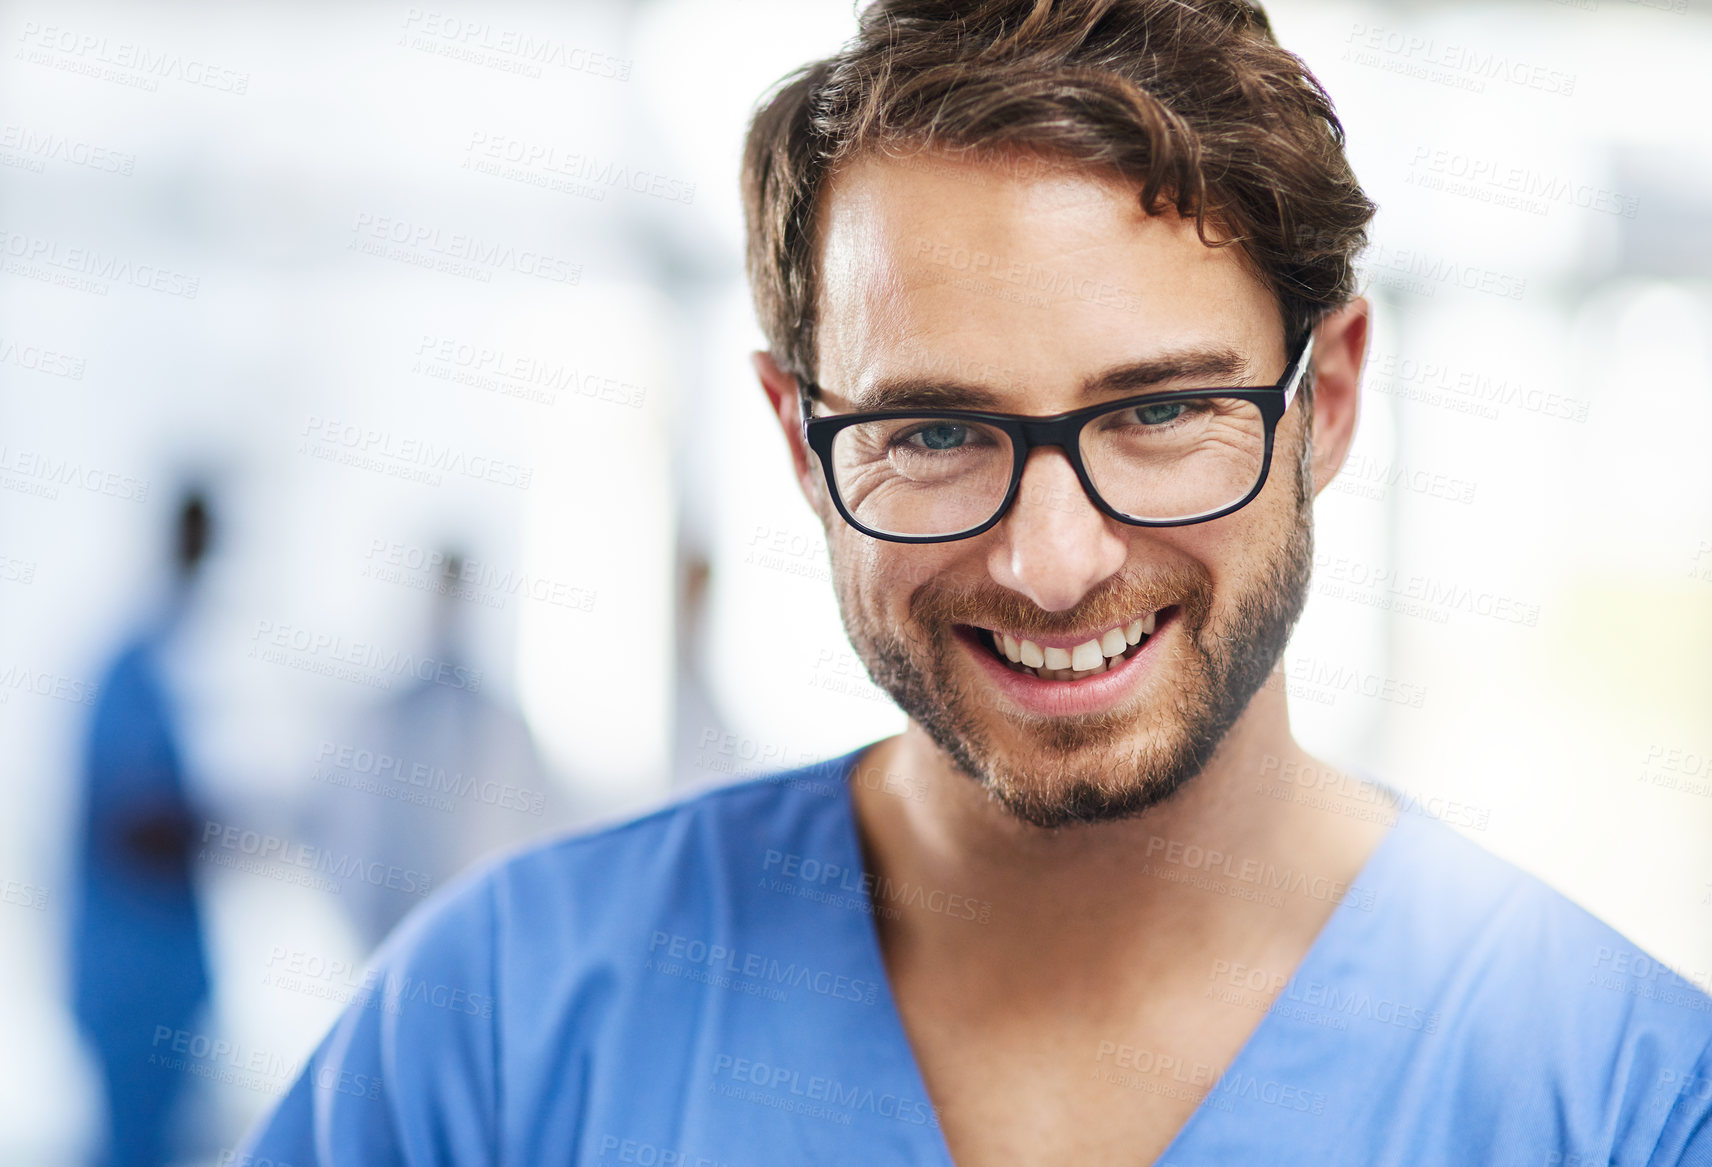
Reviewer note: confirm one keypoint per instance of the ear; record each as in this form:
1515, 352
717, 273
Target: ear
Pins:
1340, 347
786, 406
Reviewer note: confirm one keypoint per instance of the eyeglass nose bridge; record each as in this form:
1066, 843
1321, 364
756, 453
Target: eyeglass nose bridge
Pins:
1061, 433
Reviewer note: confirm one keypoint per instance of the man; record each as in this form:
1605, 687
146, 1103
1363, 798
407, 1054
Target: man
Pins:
1063, 342
138, 959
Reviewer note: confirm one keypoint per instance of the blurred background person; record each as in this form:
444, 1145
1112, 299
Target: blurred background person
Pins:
138, 955
434, 779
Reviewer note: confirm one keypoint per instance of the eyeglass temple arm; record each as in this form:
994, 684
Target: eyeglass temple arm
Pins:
805, 390
1299, 370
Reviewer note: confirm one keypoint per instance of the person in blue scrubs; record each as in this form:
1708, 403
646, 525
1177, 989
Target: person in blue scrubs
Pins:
1095, 904
138, 958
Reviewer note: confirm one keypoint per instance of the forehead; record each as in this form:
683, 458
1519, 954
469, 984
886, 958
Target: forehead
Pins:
1026, 278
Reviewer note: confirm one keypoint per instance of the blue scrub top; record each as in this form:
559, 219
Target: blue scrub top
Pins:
704, 987
137, 957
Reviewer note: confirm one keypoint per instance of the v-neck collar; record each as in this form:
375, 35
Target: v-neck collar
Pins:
1254, 1049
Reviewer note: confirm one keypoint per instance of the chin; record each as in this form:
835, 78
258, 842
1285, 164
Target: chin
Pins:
1049, 782
1081, 803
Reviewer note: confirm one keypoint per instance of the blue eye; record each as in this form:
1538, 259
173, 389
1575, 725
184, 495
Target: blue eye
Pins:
944, 436
1160, 414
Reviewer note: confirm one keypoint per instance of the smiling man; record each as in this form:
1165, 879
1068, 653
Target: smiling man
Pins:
1063, 343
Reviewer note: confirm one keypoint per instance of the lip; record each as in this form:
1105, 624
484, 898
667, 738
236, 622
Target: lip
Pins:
1067, 698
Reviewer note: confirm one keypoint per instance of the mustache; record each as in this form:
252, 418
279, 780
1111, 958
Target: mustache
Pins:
935, 607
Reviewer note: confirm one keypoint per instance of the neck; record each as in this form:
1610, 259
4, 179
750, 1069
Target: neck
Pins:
1187, 870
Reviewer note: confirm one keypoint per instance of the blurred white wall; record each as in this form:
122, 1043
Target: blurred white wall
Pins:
408, 252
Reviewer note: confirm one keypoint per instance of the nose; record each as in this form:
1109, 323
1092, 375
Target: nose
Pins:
1054, 545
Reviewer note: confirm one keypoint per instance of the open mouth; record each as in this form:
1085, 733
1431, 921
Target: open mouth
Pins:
1089, 658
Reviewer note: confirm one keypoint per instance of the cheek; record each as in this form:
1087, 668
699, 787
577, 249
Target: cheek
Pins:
867, 575
896, 572
881, 578
1238, 550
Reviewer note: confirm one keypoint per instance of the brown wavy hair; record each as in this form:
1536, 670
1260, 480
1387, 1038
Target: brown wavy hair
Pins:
1192, 100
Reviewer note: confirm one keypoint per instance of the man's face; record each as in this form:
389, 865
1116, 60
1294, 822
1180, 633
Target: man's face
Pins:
1031, 284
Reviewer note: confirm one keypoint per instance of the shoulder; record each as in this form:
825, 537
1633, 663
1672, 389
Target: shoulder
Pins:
508, 975
1544, 1010
697, 827
573, 887
1503, 919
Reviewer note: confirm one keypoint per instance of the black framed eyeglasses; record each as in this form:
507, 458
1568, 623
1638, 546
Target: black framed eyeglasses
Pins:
1153, 460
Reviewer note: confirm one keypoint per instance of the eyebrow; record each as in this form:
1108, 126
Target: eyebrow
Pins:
1210, 366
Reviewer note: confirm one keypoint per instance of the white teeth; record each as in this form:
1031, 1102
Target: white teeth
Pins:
1084, 660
